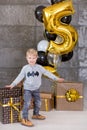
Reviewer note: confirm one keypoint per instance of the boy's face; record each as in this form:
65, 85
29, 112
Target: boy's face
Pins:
31, 59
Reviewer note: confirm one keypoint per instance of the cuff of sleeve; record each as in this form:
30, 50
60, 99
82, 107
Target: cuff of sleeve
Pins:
13, 85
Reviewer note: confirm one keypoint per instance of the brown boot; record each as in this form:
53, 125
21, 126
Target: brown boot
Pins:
26, 123
39, 117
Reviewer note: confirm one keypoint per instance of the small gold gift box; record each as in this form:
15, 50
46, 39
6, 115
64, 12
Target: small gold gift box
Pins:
47, 101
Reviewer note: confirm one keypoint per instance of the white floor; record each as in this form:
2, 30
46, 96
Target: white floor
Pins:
56, 120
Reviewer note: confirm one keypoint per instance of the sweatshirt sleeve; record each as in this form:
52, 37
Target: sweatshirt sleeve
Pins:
49, 74
19, 78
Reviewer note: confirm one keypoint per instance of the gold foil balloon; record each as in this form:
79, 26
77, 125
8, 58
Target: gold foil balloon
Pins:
52, 70
72, 95
52, 16
53, 59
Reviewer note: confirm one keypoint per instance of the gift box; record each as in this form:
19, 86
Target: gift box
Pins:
47, 101
7, 92
10, 110
69, 96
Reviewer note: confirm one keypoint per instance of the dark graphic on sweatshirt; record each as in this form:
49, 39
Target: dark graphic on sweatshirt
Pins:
33, 74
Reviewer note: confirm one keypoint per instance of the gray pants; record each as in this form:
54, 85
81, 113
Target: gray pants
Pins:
28, 95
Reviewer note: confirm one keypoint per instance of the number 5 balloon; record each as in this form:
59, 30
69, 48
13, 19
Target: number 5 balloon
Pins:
52, 16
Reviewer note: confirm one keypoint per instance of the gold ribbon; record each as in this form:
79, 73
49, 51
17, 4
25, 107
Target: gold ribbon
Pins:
13, 106
46, 104
61, 96
71, 95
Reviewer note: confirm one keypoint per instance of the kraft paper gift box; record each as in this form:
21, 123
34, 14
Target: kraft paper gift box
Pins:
47, 101
10, 110
69, 96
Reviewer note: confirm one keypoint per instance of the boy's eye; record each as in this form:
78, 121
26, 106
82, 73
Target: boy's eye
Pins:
31, 58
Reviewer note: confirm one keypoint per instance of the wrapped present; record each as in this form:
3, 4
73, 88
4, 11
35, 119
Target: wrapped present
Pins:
47, 101
10, 110
7, 92
69, 96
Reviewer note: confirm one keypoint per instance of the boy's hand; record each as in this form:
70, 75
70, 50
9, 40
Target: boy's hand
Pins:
60, 80
9, 86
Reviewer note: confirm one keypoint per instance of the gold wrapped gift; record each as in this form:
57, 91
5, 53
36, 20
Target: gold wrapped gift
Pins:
47, 101
69, 96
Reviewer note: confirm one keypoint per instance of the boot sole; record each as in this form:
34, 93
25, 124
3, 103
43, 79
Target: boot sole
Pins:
27, 125
38, 119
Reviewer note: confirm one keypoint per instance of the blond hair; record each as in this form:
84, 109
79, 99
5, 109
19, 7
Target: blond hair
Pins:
32, 51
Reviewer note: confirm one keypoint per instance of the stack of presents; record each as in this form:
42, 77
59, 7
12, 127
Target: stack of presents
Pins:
67, 96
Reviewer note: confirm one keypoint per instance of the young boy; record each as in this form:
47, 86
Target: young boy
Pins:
31, 75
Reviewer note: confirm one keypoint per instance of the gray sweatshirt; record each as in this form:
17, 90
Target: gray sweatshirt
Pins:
32, 76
